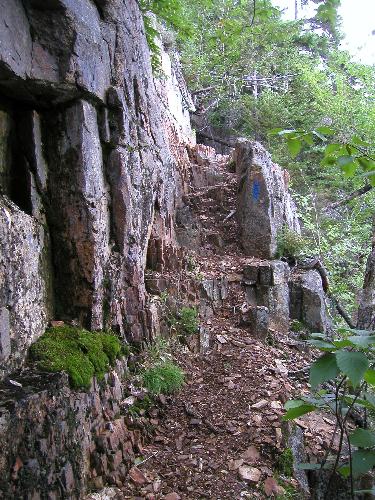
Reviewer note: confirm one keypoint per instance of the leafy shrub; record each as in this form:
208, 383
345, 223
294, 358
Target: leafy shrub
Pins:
290, 243
80, 353
171, 14
163, 378
342, 380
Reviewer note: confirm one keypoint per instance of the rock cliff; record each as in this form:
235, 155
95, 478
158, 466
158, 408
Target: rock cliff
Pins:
90, 159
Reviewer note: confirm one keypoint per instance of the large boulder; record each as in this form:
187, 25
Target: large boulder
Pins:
264, 205
307, 300
266, 286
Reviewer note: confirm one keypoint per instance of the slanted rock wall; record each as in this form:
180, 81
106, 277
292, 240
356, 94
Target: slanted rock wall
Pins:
307, 299
92, 162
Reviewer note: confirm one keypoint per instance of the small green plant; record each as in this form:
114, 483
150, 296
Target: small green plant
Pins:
163, 378
290, 243
188, 321
140, 406
82, 354
285, 463
191, 263
164, 297
170, 12
296, 326
342, 381
157, 351
290, 493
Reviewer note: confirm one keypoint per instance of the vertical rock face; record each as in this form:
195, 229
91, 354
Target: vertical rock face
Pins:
65, 441
264, 203
25, 292
89, 161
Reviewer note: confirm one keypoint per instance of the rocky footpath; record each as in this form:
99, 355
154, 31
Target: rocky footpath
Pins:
222, 436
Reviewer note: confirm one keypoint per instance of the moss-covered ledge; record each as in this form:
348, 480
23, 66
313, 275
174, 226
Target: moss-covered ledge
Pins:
80, 353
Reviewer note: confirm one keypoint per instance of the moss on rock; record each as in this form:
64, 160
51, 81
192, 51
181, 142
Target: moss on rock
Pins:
82, 354
285, 463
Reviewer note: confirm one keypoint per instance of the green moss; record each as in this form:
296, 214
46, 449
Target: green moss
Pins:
163, 378
80, 353
296, 326
285, 463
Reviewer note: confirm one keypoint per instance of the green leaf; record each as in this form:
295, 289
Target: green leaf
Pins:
318, 335
349, 169
344, 470
365, 403
352, 364
294, 403
340, 343
366, 163
293, 413
369, 376
320, 344
323, 369
362, 461
362, 438
332, 148
366, 333
362, 341
325, 130
294, 146
345, 160
308, 466
370, 398
308, 139
359, 142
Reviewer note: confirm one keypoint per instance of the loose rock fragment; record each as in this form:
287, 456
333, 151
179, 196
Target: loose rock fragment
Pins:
249, 474
251, 455
137, 476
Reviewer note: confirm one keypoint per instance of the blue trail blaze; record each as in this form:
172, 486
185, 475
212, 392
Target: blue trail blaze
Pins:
256, 190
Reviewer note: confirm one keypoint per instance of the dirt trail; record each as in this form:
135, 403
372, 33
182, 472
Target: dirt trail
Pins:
222, 435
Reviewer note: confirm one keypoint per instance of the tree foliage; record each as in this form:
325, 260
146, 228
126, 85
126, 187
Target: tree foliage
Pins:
342, 380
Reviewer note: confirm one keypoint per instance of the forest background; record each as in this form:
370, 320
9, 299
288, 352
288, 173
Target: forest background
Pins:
288, 85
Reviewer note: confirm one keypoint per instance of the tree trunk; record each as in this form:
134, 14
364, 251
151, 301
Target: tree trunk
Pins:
366, 312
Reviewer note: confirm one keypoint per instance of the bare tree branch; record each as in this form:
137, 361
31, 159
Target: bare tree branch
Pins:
354, 194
